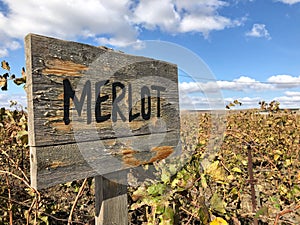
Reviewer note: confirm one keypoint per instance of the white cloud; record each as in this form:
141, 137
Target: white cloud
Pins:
115, 22
290, 2
204, 24
193, 102
177, 16
196, 92
285, 81
201, 102
252, 102
3, 52
246, 101
292, 93
156, 13
67, 19
6, 98
288, 101
243, 83
259, 30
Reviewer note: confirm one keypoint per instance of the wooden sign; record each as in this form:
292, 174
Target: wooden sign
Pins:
94, 111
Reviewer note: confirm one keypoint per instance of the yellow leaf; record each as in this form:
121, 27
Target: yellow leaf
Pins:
216, 172
202, 142
212, 167
218, 221
237, 170
23, 72
5, 65
230, 177
19, 81
276, 157
2, 81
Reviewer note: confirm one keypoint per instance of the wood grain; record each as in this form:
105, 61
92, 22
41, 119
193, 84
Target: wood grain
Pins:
111, 201
63, 152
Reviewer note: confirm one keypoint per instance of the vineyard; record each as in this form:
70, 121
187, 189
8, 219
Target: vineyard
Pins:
242, 168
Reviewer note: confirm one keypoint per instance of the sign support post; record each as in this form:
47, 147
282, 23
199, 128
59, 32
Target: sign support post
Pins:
111, 202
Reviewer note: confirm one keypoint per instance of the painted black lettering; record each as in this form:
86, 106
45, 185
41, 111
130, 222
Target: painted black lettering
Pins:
158, 89
99, 99
116, 99
131, 116
145, 92
69, 93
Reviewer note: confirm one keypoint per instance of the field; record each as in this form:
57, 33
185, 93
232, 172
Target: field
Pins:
238, 168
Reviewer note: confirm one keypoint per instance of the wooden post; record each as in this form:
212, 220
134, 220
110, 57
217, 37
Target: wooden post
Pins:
111, 200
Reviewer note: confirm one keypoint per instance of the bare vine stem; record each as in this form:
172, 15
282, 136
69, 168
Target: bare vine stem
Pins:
44, 213
76, 200
252, 183
191, 214
286, 211
17, 166
9, 203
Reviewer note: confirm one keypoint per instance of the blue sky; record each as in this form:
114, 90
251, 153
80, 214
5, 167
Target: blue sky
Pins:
252, 47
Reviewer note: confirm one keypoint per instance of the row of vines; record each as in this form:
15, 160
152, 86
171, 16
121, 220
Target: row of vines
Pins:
253, 178
239, 168
221, 192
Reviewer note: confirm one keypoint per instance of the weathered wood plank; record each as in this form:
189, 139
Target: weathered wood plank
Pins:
111, 201
91, 106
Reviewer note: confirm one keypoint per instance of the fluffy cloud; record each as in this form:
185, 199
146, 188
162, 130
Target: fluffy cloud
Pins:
6, 98
246, 101
259, 30
252, 102
292, 93
67, 19
183, 16
288, 101
156, 13
195, 94
285, 81
243, 83
290, 2
115, 22
201, 102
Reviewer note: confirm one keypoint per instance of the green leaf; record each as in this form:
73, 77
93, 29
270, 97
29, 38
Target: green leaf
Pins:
165, 177
203, 181
167, 217
23, 136
203, 211
156, 189
264, 211
217, 203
